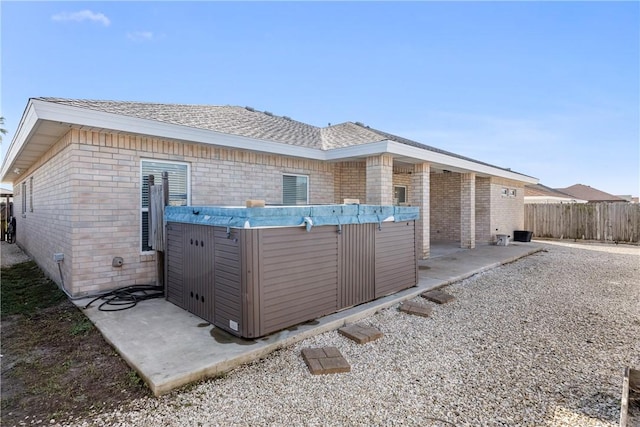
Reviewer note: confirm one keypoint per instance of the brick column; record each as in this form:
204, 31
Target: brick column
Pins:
380, 180
468, 210
419, 196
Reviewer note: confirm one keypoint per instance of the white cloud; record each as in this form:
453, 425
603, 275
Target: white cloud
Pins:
83, 15
140, 36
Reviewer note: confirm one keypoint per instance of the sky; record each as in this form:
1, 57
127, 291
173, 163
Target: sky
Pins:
548, 89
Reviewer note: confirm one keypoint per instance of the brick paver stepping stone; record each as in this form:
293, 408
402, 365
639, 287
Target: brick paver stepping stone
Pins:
438, 296
360, 334
418, 309
325, 360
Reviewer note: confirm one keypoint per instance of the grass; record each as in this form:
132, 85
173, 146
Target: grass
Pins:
55, 363
26, 290
81, 327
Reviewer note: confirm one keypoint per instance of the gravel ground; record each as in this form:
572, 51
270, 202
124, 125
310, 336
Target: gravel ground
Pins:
542, 341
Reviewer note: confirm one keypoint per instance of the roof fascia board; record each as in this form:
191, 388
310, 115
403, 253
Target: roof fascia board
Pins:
44, 110
432, 156
104, 120
397, 148
25, 129
362, 150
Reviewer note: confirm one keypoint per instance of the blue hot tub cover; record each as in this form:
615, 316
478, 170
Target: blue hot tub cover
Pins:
289, 216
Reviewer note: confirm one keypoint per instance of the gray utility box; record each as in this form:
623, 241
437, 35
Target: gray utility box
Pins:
255, 281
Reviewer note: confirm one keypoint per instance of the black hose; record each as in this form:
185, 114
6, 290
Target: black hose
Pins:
127, 297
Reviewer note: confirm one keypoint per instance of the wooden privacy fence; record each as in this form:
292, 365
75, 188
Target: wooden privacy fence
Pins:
618, 222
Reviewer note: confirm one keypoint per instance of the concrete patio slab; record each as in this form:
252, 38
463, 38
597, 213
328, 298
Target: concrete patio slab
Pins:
170, 347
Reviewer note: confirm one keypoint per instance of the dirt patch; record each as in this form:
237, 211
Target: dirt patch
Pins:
55, 363
12, 254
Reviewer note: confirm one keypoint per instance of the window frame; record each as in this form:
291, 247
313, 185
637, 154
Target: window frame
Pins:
308, 184
405, 189
31, 194
143, 209
24, 198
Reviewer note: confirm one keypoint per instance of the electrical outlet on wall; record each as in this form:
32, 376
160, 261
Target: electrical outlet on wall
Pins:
59, 257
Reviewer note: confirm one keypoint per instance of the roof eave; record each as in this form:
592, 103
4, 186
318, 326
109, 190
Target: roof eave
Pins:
66, 116
415, 155
26, 128
39, 111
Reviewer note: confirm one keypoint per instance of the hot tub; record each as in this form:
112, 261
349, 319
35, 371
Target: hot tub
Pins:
255, 271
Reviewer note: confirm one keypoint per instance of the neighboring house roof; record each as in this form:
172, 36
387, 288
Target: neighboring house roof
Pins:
47, 119
585, 192
538, 193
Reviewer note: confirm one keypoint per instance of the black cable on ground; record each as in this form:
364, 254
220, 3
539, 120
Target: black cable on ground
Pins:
127, 297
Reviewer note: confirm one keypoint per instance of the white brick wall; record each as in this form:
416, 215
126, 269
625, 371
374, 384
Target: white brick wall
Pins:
47, 229
507, 213
445, 206
483, 210
379, 180
419, 195
468, 210
350, 181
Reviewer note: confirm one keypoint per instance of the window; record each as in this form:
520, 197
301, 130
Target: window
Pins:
24, 198
512, 192
399, 194
31, 194
179, 184
504, 192
295, 190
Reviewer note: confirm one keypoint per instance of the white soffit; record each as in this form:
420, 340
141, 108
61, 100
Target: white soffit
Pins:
410, 154
49, 121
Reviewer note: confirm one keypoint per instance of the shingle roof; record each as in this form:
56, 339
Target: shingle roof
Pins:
242, 121
543, 190
245, 121
585, 192
348, 134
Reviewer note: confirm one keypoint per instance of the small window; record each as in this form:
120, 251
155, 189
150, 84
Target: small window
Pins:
295, 190
505, 192
24, 198
179, 184
399, 194
512, 192
31, 194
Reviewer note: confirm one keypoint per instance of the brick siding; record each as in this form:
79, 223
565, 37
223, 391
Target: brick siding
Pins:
445, 206
86, 199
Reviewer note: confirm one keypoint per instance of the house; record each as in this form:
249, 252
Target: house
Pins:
538, 193
591, 195
628, 197
80, 170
